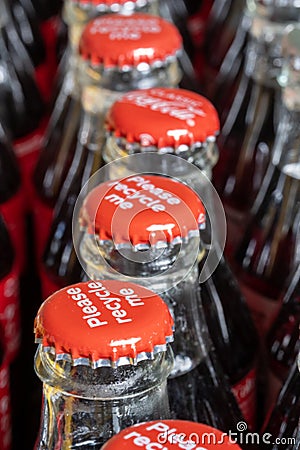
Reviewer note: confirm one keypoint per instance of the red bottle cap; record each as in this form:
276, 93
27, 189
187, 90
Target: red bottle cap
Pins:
163, 117
170, 434
142, 211
116, 40
103, 323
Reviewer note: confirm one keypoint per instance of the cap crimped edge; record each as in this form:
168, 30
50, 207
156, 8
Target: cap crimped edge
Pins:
142, 246
119, 64
102, 362
133, 146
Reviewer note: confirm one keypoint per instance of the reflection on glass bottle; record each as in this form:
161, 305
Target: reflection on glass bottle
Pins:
224, 33
283, 338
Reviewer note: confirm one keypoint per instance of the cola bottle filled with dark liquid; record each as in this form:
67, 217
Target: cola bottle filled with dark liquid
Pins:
22, 108
51, 29
265, 257
27, 24
227, 79
105, 76
223, 28
247, 136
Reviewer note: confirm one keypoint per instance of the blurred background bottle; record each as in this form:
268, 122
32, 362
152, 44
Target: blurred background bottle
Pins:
247, 136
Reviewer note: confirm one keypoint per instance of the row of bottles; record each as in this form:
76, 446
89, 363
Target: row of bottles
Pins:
142, 53
60, 258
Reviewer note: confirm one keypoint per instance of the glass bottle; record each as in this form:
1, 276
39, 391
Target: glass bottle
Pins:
173, 433
175, 121
223, 30
110, 67
282, 341
22, 108
50, 25
227, 79
265, 257
281, 426
247, 136
27, 25
104, 359
146, 229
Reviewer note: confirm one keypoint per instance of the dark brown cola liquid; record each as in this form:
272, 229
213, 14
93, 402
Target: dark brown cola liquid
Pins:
202, 395
245, 145
234, 336
265, 256
58, 150
60, 260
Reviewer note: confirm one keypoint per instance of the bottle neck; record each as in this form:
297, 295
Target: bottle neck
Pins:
4, 14
202, 155
174, 278
264, 50
100, 89
101, 82
84, 407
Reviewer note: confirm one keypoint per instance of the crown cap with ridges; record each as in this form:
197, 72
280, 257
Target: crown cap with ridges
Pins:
142, 211
128, 41
104, 323
163, 117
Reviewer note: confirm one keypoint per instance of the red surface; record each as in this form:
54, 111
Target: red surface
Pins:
142, 210
163, 117
103, 319
170, 434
